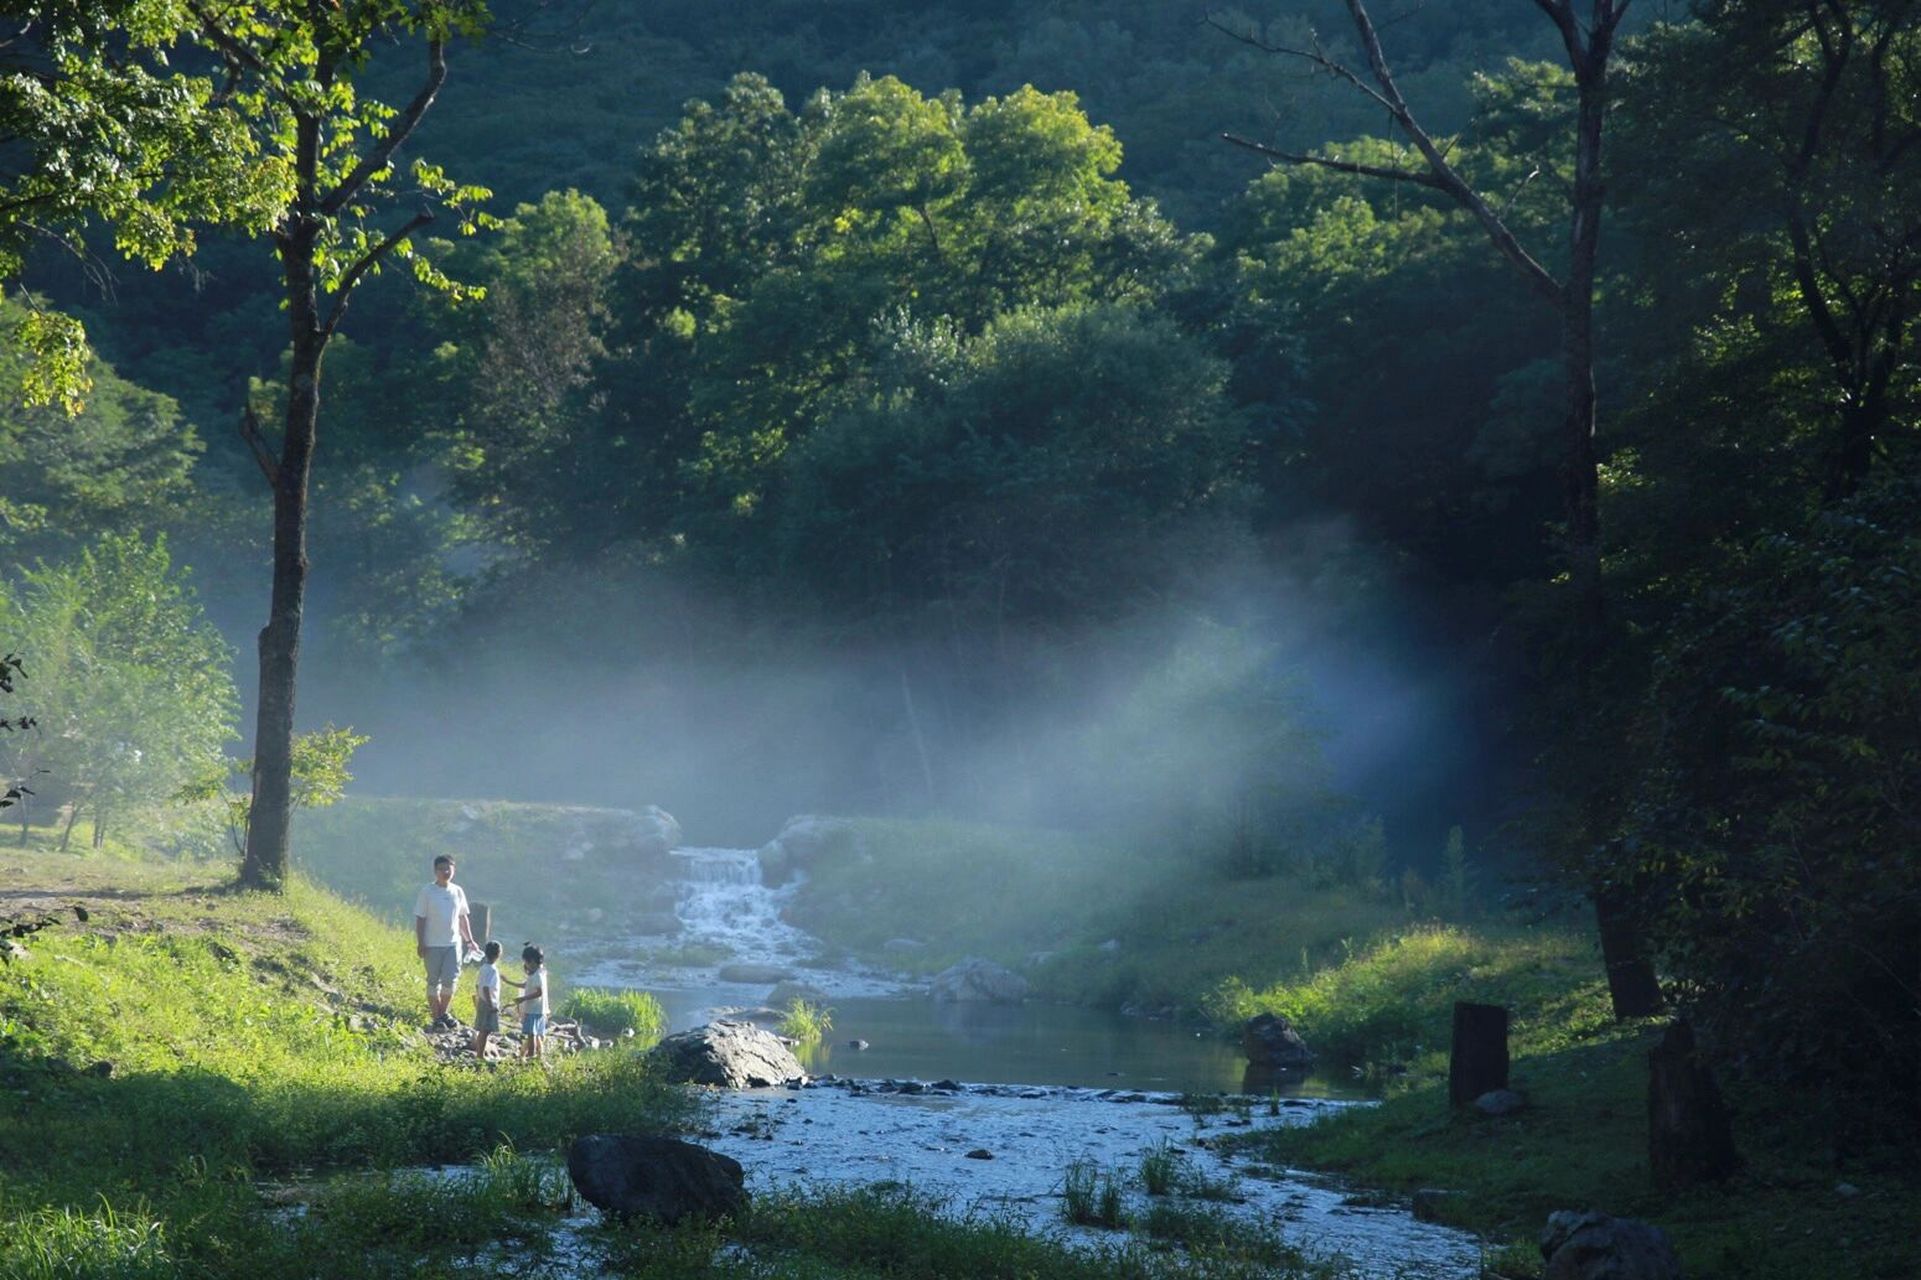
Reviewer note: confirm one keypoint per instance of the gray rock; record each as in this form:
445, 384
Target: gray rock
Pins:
974, 980
630, 1175
1594, 1246
980, 1153
752, 974
785, 993
733, 1055
1500, 1102
903, 944
1271, 1041
802, 841
654, 832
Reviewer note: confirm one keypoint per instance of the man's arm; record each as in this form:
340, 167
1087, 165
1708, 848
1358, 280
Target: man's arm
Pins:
462, 923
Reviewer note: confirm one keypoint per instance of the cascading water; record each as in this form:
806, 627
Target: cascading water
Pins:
723, 904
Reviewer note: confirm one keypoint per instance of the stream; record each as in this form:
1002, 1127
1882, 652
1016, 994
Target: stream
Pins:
1019, 1093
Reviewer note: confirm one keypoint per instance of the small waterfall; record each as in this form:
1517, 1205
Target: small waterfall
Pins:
723, 903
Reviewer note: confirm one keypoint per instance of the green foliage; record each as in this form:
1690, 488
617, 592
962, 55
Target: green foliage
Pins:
616, 1013
125, 460
130, 689
103, 123
1772, 837
320, 778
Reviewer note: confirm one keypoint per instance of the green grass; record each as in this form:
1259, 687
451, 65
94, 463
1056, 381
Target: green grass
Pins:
616, 1013
1582, 1142
187, 1041
1392, 999
806, 1022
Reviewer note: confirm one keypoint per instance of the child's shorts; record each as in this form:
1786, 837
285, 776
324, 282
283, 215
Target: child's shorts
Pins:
535, 1024
487, 1020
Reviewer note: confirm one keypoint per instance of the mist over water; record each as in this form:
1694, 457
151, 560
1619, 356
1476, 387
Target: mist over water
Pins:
627, 689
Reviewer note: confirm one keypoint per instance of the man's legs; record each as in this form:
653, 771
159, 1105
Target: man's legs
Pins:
443, 973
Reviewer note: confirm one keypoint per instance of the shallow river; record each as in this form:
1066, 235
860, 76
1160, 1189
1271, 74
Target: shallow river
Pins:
1038, 1088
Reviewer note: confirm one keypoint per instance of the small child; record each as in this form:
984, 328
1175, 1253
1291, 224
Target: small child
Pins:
532, 1002
487, 1000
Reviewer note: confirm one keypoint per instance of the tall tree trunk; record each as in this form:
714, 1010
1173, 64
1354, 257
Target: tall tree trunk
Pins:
1632, 986
270, 819
66, 832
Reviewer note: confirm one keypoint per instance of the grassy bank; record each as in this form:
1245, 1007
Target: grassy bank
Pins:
1792, 1214
198, 1082
1088, 921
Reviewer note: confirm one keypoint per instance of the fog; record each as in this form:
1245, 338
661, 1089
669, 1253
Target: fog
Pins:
1249, 693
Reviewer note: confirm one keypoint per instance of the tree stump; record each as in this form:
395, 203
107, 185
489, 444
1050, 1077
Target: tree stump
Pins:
1477, 1063
480, 921
1689, 1138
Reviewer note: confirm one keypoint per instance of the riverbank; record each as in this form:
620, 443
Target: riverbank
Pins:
1795, 1212
201, 1082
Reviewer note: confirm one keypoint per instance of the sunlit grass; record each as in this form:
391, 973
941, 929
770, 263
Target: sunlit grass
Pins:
616, 1013
805, 1021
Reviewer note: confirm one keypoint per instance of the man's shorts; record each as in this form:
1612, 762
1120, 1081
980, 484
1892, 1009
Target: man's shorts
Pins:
443, 966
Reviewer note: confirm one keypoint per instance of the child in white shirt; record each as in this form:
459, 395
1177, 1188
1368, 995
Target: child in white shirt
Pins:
487, 1000
532, 1002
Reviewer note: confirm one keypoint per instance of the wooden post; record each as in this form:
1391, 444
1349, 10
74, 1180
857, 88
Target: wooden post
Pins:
1477, 1063
1689, 1138
480, 919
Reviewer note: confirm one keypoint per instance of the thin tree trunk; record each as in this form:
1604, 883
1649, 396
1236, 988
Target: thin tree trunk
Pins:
66, 832
99, 828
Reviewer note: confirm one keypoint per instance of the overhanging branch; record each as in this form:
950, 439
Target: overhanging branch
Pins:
368, 261
383, 152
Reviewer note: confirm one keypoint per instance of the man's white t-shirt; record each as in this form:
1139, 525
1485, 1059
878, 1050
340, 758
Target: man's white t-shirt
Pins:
441, 909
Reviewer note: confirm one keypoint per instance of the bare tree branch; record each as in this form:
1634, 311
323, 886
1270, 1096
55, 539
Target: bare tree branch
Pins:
257, 445
1420, 177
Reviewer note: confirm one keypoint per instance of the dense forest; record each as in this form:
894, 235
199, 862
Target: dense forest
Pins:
922, 409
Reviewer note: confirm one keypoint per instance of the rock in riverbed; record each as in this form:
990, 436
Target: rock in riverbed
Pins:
1593, 1246
974, 979
666, 1179
733, 1055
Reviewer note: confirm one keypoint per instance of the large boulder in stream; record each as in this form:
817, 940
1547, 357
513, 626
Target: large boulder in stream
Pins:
630, 1175
653, 833
1271, 1042
974, 980
732, 1055
1593, 1246
800, 844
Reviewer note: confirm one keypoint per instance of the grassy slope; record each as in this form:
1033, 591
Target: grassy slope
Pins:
1582, 1143
186, 1040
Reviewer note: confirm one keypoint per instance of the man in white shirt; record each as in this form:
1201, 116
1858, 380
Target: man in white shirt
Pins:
441, 933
